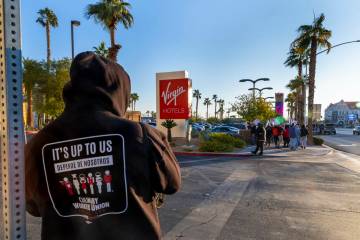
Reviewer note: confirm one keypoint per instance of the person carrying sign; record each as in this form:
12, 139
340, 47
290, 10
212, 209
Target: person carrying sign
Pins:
91, 174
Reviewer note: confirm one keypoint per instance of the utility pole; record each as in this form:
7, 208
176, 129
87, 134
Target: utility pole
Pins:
12, 128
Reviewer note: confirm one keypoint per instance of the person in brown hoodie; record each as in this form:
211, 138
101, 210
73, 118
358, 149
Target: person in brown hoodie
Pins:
91, 174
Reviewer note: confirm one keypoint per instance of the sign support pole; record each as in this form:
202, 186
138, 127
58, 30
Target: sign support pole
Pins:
11, 121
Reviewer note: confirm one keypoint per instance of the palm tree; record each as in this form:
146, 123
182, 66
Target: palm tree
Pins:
169, 124
102, 50
313, 36
215, 97
109, 13
291, 100
297, 58
153, 114
47, 19
295, 85
221, 108
197, 95
134, 97
33, 74
228, 112
207, 103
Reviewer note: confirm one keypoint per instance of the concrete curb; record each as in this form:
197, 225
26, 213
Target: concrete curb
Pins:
213, 154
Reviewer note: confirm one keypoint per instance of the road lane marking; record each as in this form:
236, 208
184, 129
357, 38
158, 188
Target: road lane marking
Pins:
210, 216
347, 145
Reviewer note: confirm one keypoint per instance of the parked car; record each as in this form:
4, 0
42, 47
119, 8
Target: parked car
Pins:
153, 124
237, 125
226, 129
356, 130
198, 127
329, 129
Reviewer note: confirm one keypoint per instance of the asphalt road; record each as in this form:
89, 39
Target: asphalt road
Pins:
307, 194
344, 140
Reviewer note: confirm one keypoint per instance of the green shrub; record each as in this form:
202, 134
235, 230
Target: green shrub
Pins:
221, 137
228, 139
204, 136
318, 141
219, 142
239, 143
215, 146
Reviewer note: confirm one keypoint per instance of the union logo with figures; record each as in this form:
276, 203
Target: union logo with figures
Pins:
86, 177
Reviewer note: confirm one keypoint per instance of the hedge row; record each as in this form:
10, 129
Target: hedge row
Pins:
220, 142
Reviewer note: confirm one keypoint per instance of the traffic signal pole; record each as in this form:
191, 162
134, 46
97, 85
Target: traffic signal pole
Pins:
11, 123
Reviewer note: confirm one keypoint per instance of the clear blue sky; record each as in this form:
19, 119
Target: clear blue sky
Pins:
218, 42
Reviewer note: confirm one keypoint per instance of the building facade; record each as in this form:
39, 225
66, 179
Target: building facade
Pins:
343, 113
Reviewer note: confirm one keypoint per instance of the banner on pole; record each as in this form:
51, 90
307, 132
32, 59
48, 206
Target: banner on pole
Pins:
279, 104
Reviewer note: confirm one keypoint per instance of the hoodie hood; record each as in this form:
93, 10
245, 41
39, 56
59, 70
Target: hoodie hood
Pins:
97, 82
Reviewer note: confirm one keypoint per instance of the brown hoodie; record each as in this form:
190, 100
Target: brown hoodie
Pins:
91, 174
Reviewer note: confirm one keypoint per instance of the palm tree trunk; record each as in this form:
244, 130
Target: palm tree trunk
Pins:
113, 50
312, 70
29, 118
197, 105
300, 96
215, 108
48, 56
297, 105
207, 111
169, 135
112, 37
134, 105
303, 101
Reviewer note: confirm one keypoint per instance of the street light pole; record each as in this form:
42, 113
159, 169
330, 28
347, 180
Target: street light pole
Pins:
254, 82
76, 24
260, 90
267, 98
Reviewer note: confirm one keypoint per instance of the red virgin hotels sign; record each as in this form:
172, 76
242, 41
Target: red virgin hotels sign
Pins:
174, 99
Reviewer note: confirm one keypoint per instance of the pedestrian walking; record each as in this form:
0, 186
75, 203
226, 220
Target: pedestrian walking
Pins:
260, 139
293, 140
286, 136
130, 162
298, 133
275, 134
303, 136
268, 135
281, 137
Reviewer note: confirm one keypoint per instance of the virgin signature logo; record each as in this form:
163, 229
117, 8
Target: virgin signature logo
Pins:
171, 96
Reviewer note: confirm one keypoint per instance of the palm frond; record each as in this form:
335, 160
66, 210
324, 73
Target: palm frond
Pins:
110, 13
47, 16
305, 28
318, 22
295, 83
